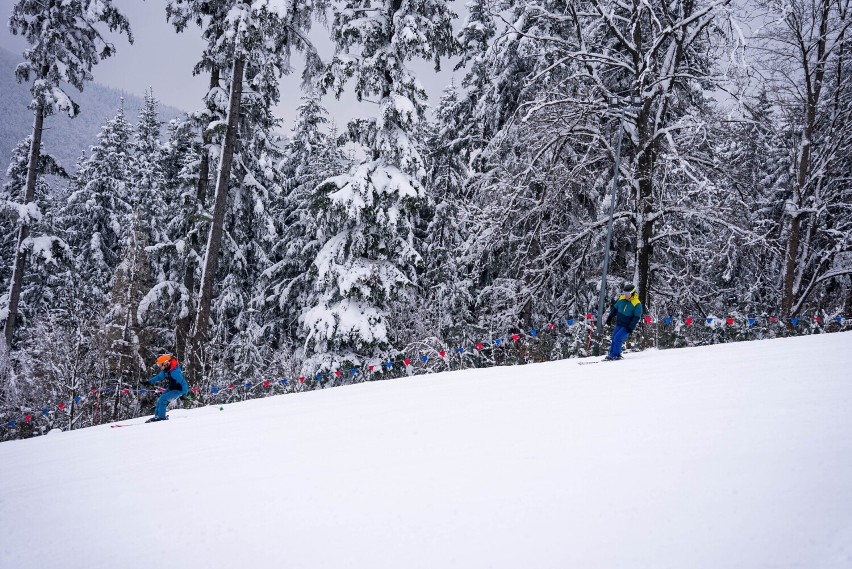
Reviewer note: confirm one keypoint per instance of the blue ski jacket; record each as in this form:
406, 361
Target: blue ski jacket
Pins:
175, 377
627, 312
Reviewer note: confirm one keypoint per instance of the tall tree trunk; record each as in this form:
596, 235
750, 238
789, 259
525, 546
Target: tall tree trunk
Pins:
645, 163
814, 73
20, 252
183, 348
214, 240
791, 259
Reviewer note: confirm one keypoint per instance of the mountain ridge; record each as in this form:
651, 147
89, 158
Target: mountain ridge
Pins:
64, 138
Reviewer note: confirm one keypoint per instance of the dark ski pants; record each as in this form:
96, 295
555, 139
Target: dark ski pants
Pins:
163, 402
618, 336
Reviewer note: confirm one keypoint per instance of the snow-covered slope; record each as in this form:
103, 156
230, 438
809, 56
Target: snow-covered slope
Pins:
728, 456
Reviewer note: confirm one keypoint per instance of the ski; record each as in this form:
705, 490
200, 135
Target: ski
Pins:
121, 425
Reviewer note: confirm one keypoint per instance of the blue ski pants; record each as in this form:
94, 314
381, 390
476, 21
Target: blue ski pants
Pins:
163, 402
619, 334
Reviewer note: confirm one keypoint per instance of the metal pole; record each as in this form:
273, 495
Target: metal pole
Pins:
605, 269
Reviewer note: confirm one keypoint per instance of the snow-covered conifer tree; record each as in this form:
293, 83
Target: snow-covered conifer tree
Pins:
444, 302
147, 175
250, 45
369, 256
127, 339
168, 305
65, 43
310, 156
43, 252
99, 209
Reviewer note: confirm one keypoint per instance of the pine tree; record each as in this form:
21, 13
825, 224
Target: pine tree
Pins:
127, 340
444, 300
368, 258
64, 45
44, 252
99, 210
251, 41
310, 156
147, 175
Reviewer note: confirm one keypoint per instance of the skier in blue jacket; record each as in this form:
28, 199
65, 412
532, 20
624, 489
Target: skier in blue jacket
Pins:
170, 371
627, 311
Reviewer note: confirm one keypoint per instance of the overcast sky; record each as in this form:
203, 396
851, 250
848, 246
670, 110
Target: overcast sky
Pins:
163, 59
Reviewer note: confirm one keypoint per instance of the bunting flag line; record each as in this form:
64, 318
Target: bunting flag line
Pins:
480, 347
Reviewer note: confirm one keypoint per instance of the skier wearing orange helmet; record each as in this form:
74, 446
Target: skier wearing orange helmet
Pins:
177, 386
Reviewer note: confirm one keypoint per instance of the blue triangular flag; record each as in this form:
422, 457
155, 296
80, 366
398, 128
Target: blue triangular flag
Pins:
45, 412
838, 319
534, 333
667, 320
570, 322
461, 350
214, 389
497, 341
751, 321
284, 381
710, 320
424, 358
794, 320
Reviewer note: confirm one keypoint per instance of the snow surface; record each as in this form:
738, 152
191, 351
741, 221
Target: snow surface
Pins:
727, 456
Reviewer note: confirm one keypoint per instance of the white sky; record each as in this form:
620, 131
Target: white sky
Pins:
162, 59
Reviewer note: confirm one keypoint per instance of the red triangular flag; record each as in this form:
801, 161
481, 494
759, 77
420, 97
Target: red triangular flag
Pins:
266, 383
730, 321
337, 373
479, 346
62, 406
301, 379
406, 361
552, 325
688, 320
442, 353
515, 337
648, 320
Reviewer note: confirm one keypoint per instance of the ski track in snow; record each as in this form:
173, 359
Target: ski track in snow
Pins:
726, 456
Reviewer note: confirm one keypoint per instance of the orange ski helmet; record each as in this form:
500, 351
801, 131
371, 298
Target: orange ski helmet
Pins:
165, 358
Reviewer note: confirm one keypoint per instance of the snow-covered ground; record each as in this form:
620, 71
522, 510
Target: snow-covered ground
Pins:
728, 456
